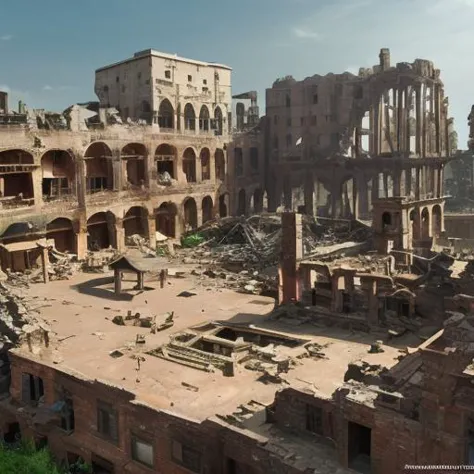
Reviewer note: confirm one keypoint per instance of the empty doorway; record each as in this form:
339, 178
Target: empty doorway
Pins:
359, 444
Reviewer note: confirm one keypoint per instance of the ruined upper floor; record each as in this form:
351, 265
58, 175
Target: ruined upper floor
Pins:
385, 110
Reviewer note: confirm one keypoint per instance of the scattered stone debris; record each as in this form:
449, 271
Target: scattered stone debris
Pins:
361, 371
376, 347
190, 387
242, 253
142, 244
155, 323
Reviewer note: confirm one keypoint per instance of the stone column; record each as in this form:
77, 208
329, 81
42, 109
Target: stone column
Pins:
152, 231
118, 281
336, 200
372, 129
400, 128
440, 182
396, 183
385, 185
292, 243
81, 244
419, 121
375, 188
408, 183
423, 128
45, 264
180, 176
309, 193
37, 177
198, 170
119, 235
118, 171
363, 192
199, 213
81, 180
408, 103
212, 164
418, 183
150, 171
355, 199
376, 128
437, 117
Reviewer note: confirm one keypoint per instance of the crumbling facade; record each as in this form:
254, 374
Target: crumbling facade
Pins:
168, 91
367, 146
246, 151
88, 181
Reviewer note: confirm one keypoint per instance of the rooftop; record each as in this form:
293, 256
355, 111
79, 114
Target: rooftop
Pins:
151, 52
80, 311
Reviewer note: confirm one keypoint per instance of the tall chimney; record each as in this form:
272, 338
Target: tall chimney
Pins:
384, 57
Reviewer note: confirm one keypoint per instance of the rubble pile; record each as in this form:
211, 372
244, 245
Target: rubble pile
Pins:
139, 242
15, 316
468, 272
99, 261
244, 252
62, 265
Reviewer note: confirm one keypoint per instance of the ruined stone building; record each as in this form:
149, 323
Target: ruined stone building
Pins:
151, 156
367, 146
246, 166
236, 386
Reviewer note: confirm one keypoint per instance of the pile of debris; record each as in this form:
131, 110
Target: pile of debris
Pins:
139, 242
155, 323
99, 261
245, 252
16, 316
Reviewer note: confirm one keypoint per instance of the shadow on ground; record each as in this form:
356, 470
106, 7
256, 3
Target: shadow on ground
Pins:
93, 288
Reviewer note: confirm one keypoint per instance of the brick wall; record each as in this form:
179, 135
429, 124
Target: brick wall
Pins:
214, 440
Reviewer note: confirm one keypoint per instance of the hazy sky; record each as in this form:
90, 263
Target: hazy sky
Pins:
49, 49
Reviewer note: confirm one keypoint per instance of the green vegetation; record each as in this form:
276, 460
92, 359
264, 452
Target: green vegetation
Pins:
26, 459
192, 240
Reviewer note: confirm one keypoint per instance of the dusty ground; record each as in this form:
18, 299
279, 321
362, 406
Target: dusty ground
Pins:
80, 312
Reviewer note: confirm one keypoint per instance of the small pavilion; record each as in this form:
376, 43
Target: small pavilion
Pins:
126, 264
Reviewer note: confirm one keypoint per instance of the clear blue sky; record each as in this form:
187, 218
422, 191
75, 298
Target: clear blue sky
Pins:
49, 49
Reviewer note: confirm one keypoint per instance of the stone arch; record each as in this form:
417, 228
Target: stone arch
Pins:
99, 172
218, 117
219, 158
242, 203
61, 230
165, 219
18, 182
19, 232
224, 205
207, 209
189, 117
437, 220
166, 115
19, 260
189, 165
101, 232
166, 158
134, 156
204, 118
135, 222
386, 219
190, 214
205, 157
413, 221
425, 224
